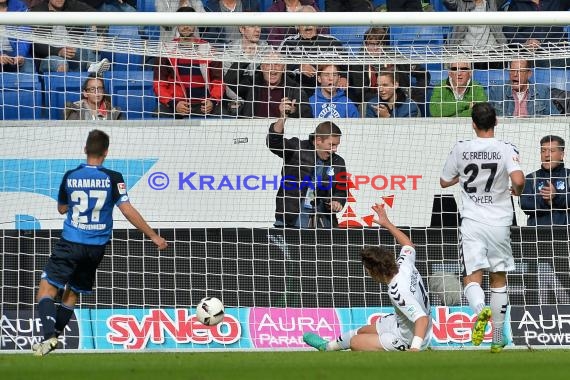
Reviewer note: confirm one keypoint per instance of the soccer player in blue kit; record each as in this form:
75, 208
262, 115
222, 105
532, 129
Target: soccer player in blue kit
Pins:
87, 195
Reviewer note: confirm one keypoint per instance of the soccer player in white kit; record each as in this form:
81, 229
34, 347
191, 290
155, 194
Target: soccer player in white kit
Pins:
483, 167
409, 328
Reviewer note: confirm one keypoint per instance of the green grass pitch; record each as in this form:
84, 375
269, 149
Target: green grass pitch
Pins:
441, 365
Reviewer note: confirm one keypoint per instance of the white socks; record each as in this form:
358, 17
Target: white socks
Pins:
475, 296
342, 342
499, 302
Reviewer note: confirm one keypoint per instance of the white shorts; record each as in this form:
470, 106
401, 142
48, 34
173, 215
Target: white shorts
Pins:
482, 246
390, 337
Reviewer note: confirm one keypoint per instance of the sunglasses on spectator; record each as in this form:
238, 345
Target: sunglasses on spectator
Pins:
95, 89
460, 69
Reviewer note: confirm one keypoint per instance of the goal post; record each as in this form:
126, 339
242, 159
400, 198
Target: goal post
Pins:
286, 18
209, 185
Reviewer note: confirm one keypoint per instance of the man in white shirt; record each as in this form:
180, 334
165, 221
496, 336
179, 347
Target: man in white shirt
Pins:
483, 167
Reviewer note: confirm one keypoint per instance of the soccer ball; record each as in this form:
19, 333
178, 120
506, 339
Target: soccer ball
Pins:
210, 311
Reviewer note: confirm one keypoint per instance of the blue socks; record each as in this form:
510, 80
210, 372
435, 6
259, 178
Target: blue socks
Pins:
46, 308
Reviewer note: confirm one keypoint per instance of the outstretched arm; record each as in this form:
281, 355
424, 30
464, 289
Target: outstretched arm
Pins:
383, 221
138, 221
420, 330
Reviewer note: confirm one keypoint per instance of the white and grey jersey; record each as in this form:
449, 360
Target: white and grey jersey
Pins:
484, 166
408, 294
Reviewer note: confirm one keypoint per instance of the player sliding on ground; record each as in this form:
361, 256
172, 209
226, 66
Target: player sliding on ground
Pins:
409, 328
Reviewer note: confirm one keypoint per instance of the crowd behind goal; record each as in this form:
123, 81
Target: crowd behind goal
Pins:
89, 73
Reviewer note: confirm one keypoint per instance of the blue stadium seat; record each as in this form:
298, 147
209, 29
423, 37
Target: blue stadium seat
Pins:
265, 4
132, 92
554, 78
123, 60
419, 42
20, 96
377, 3
491, 77
349, 35
148, 32
146, 6
61, 88
438, 6
416, 35
436, 76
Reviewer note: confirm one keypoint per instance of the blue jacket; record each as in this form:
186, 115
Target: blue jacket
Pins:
404, 106
547, 33
19, 47
538, 211
539, 101
216, 34
337, 107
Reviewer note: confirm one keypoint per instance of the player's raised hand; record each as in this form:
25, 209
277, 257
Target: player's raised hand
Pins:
383, 221
382, 218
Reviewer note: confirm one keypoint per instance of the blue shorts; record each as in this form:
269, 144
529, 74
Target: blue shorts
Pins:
73, 264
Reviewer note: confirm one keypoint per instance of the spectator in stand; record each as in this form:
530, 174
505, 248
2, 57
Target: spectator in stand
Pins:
456, 95
306, 47
329, 101
278, 33
348, 6
186, 86
545, 198
362, 79
316, 160
533, 37
404, 5
174, 5
112, 5
477, 36
238, 74
272, 91
167, 33
57, 57
520, 98
95, 103
391, 100
229, 33
119, 6
15, 54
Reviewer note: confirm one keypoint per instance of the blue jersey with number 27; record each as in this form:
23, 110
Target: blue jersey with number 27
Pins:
91, 192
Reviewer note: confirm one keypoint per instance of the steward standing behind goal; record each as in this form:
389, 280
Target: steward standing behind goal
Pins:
313, 188
87, 195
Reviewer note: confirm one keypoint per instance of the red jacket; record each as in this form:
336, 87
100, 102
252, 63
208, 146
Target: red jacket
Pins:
170, 86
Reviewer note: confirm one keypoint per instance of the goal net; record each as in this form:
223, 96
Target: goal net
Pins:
201, 172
